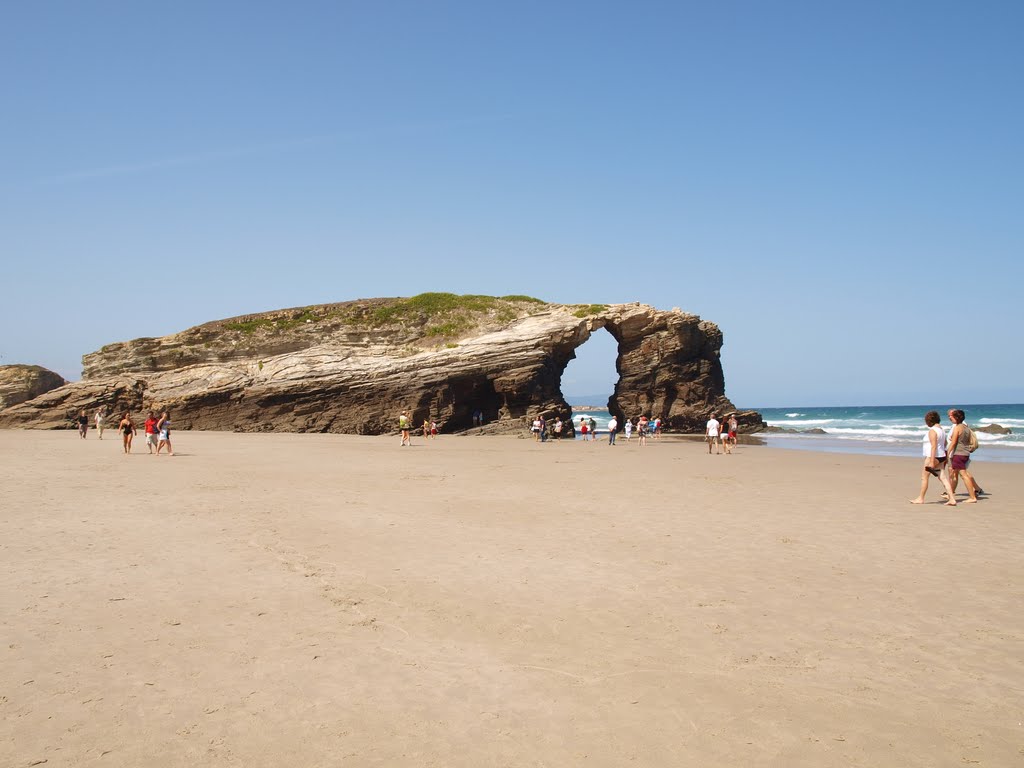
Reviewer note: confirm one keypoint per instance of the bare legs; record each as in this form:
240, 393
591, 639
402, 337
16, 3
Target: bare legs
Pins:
926, 472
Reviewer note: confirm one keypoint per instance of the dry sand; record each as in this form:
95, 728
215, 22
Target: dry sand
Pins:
326, 600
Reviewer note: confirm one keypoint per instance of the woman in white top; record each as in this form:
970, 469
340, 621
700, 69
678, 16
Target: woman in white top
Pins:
934, 458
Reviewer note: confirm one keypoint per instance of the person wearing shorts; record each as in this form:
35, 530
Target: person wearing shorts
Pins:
163, 428
711, 433
403, 424
934, 449
151, 434
960, 455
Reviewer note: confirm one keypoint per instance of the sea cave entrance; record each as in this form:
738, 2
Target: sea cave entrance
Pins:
589, 379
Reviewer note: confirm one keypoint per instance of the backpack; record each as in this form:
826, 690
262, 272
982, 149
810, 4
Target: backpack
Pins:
972, 441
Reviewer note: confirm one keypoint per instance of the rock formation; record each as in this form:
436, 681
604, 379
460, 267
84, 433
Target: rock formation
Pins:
352, 367
19, 383
994, 429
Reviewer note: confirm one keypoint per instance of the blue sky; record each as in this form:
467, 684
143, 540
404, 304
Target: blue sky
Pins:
837, 185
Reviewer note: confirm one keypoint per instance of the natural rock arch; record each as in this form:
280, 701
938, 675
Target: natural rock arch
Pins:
353, 367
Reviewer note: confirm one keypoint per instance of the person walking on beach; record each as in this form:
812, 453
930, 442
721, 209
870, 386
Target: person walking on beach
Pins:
972, 438
641, 430
934, 459
959, 449
127, 430
657, 428
163, 428
734, 427
613, 426
593, 430
101, 420
403, 425
584, 429
151, 434
83, 424
628, 427
558, 428
711, 433
433, 430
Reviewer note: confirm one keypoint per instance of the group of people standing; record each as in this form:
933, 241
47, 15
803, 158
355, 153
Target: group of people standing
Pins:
158, 430
721, 436
947, 456
587, 428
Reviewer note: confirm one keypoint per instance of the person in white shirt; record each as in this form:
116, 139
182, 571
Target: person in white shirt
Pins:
934, 459
711, 433
613, 425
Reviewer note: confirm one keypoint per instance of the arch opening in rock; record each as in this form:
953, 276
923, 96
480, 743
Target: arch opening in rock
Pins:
461, 403
591, 375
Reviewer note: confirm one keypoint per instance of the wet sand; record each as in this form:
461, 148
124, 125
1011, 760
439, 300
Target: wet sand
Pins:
325, 600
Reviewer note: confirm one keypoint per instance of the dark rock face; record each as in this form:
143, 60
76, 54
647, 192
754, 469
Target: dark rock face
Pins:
994, 429
354, 367
19, 383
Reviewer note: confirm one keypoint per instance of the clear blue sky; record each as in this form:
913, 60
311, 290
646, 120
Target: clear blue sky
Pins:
838, 185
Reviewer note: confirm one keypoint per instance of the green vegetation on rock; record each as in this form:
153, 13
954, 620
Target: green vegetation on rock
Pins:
523, 298
443, 315
276, 322
447, 314
586, 310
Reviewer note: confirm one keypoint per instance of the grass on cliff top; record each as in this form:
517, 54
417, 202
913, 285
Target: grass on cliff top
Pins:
274, 323
448, 314
441, 314
586, 310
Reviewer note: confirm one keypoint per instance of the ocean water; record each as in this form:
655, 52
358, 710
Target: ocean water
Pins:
600, 417
892, 430
885, 430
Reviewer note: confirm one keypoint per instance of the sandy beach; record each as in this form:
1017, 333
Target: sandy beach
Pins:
325, 600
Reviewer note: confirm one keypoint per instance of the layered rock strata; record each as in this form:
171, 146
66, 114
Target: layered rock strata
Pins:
354, 367
19, 383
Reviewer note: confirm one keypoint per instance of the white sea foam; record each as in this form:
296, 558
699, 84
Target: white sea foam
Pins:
869, 432
802, 423
794, 415
1018, 423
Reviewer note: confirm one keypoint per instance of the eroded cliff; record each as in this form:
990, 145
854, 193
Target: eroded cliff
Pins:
352, 367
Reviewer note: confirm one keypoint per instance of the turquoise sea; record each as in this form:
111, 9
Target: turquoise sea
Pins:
892, 430
885, 430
